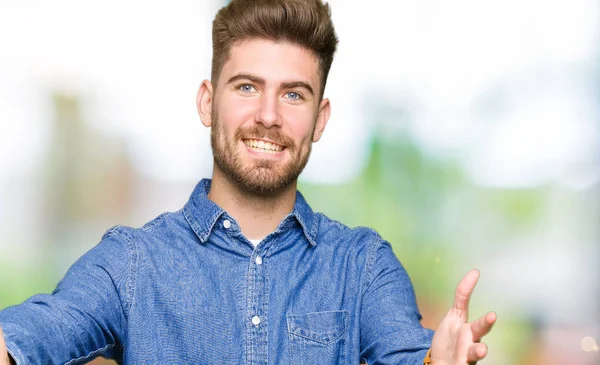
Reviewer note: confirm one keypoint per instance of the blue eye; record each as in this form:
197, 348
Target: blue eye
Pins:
246, 88
293, 95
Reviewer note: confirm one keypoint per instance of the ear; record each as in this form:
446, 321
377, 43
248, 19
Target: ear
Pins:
322, 118
204, 100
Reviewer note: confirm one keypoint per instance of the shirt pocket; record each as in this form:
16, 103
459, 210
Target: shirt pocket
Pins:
318, 337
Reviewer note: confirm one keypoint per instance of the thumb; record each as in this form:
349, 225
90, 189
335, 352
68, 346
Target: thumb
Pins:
4, 359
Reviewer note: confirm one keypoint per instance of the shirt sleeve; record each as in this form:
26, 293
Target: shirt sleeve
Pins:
390, 328
84, 317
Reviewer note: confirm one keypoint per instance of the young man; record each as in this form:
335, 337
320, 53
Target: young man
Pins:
246, 272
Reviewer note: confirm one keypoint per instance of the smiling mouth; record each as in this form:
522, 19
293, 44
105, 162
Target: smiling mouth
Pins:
259, 145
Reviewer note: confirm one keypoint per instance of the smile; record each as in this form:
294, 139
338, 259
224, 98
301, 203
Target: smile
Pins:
259, 145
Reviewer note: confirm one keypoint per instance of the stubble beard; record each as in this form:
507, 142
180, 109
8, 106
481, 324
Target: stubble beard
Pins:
261, 177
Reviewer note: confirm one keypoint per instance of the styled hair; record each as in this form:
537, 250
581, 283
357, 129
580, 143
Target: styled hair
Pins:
306, 23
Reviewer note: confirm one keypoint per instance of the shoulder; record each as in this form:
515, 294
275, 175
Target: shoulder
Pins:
333, 231
161, 227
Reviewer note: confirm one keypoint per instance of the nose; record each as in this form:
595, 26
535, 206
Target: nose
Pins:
268, 111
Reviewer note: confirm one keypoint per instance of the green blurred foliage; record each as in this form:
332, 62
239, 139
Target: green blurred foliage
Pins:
21, 279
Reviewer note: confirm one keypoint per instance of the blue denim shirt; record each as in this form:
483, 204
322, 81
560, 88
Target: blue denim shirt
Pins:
189, 288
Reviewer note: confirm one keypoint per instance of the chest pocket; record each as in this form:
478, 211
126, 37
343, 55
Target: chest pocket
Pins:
318, 338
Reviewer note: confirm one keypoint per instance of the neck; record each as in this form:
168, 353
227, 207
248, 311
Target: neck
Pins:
257, 215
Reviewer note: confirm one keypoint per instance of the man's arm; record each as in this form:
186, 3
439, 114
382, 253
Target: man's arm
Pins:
391, 332
83, 318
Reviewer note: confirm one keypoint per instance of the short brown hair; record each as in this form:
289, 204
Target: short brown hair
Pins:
306, 23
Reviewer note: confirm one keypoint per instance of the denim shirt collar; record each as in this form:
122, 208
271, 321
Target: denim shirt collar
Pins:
202, 214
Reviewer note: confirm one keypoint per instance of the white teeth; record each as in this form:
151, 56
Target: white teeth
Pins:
262, 146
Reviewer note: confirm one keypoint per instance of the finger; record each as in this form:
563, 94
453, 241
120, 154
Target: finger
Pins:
464, 289
4, 359
477, 352
483, 325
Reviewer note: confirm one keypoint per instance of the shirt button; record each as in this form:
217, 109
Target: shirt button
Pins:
226, 223
255, 320
258, 260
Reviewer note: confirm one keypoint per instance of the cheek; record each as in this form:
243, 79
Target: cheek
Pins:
300, 123
232, 117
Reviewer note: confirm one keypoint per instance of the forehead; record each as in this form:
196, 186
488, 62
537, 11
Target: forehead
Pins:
274, 61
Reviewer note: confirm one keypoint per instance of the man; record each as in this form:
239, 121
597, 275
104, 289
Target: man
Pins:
246, 272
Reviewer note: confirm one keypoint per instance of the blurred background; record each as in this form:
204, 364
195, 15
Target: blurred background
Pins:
466, 132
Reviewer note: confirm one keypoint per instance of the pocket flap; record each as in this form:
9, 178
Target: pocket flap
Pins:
322, 327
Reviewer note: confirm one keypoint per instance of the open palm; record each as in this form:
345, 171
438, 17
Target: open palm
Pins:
457, 341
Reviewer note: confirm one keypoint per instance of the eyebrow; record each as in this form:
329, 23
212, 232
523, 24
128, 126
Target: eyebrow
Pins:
261, 81
255, 79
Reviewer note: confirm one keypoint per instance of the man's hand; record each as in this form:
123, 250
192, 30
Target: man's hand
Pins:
456, 341
4, 359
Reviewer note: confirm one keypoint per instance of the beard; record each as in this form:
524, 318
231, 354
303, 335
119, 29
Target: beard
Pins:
259, 177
